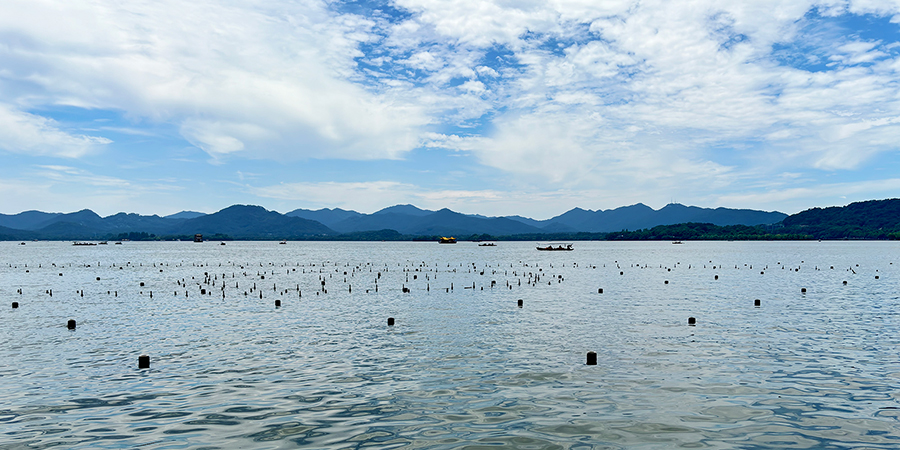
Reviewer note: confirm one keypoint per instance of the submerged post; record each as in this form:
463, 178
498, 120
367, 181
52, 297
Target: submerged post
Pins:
71, 324
390, 321
591, 358
692, 321
143, 362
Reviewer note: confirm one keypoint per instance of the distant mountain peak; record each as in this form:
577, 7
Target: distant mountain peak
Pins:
244, 207
326, 216
636, 206
404, 209
185, 215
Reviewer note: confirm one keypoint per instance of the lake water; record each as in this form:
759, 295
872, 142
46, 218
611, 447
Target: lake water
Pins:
460, 368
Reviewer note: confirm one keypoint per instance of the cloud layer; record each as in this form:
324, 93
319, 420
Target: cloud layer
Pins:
709, 101
236, 77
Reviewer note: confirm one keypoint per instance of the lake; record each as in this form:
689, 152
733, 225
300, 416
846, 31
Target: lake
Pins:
463, 366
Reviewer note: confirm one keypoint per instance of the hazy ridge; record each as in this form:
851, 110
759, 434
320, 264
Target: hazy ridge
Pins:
871, 219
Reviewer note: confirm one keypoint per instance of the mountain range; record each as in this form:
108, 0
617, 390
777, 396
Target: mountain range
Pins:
255, 222
408, 219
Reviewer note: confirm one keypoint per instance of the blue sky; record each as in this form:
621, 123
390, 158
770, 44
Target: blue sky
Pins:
486, 107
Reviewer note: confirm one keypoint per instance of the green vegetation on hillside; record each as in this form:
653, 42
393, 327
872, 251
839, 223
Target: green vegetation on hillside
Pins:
873, 219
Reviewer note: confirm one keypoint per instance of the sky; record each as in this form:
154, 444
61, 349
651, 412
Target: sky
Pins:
494, 107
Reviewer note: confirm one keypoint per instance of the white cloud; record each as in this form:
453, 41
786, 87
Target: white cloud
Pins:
239, 78
453, 142
480, 23
487, 71
473, 86
425, 61
29, 134
859, 52
72, 175
291, 87
661, 90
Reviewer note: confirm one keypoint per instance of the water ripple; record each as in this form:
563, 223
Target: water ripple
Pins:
461, 368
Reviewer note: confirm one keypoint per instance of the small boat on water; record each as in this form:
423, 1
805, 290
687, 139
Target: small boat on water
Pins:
83, 243
447, 240
556, 248
283, 242
222, 243
103, 243
677, 242
487, 244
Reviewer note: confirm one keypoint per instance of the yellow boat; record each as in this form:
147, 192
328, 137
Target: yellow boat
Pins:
447, 240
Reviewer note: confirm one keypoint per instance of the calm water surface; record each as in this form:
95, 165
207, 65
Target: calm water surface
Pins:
462, 367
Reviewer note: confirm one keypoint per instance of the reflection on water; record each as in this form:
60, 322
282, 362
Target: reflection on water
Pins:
462, 367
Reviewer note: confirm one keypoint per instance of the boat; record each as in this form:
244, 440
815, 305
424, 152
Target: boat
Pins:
283, 242
83, 243
222, 243
118, 243
103, 243
677, 242
447, 240
488, 244
556, 248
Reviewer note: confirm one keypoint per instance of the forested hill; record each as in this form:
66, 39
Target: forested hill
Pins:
872, 219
